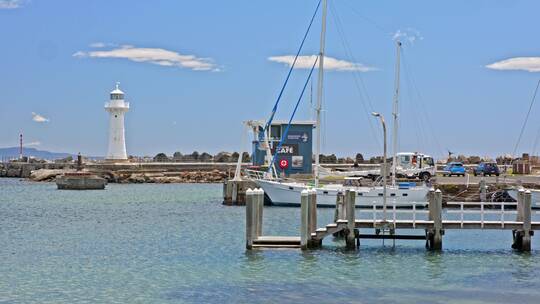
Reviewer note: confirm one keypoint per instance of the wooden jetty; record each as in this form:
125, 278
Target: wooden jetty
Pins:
386, 221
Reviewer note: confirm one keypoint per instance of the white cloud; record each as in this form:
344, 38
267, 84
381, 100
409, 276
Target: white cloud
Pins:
530, 64
10, 4
330, 63
409, 35
98, 45
152, 55
38, 118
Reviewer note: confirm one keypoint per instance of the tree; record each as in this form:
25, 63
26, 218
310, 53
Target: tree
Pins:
328, 159
234, 156
222, 157
359, 158
246, 158
205, 157
474, 159
195, 155
178, 157
161, 158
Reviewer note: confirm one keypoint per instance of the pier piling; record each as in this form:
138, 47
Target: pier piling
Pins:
259, 204
312, 199
250, 218
339, 213
483, 190
234, 191
434, 235
522, 237
350, 198
526, 242
304, 219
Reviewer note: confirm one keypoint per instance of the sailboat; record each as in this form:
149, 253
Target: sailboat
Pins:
287, 193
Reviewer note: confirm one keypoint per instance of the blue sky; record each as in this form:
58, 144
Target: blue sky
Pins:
193, 70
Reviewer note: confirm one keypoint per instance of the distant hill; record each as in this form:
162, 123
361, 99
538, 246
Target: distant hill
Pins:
13, 152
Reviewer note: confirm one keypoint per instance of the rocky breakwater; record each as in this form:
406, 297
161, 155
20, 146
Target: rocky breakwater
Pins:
48, 175
213, 176
24, 170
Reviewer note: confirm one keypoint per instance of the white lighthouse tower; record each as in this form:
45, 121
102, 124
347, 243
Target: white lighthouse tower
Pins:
117, 107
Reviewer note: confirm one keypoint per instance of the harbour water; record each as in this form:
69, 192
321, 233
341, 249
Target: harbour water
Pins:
176, 243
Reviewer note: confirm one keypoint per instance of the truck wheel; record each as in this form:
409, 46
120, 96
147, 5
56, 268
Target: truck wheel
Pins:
425, 176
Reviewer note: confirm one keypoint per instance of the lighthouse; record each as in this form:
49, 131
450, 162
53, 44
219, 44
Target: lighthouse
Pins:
117, 107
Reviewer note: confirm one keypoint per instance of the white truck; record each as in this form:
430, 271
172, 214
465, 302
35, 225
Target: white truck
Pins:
415, 165
409, 165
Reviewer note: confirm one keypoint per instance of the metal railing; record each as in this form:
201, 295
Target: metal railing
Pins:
416, 209
254, 174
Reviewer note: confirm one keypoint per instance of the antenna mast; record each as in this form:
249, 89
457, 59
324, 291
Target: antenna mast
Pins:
395, 113
320, 93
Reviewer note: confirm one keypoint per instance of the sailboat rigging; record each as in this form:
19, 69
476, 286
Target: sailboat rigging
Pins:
282, 192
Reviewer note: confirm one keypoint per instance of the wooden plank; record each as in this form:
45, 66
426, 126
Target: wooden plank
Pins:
284, 239
392, 237
276, 246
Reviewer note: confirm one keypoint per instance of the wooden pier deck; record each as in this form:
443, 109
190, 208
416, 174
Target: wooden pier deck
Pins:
431, 221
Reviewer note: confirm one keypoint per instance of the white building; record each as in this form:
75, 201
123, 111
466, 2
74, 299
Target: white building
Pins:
117, 107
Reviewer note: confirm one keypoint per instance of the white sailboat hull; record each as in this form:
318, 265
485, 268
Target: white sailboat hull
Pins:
288, 194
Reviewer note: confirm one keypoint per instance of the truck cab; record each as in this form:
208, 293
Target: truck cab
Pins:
415, 165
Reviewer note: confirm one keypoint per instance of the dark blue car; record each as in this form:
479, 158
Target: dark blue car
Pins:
486, 169
454, 168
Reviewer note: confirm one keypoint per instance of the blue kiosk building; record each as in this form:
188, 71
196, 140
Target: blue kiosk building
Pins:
295, 154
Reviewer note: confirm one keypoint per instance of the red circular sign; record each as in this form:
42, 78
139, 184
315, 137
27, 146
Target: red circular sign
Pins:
283, 164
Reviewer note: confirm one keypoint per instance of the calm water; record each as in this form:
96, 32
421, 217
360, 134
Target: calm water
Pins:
178, 244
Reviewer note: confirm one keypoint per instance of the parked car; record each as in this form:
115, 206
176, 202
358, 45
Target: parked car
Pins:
486, 169
454, 168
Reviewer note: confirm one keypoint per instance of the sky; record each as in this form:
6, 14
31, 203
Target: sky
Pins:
194, 70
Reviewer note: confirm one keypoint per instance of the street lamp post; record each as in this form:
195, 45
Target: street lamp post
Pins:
384, 162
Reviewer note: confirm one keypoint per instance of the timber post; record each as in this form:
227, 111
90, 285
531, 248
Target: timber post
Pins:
250, 218
340, 202
234, 190
516, 233
526, 242
304, 219
483, 195
339, 213
522, 237
312, 198
259, 204
350, 198
434, 235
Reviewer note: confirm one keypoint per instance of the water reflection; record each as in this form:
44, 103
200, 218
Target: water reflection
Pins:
435, 264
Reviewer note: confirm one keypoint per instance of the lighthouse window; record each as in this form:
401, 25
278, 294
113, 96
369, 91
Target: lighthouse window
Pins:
115, 116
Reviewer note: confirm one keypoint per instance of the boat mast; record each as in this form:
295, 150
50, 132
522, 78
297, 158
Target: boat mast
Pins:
320, 94
395, 113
